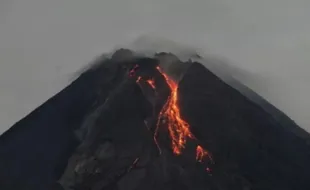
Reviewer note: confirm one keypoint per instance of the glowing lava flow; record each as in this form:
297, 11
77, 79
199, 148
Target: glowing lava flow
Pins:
200, 153
179, 129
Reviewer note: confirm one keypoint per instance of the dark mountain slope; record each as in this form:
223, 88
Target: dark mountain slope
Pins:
241, 134
101, 132
35, 150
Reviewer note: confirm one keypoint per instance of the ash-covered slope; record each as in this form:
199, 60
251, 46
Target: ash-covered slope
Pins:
35, 150
244, 139
132, 123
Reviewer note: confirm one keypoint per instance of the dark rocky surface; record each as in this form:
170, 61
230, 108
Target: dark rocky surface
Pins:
98, 134
240, 134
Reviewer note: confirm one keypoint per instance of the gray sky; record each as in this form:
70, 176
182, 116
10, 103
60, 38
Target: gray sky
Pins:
43, 42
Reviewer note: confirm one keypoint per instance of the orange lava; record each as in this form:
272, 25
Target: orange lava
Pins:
179, 129
200, 153
151, 83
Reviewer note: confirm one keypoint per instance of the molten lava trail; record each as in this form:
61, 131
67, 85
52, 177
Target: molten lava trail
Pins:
200, 153
179, 129
170, 115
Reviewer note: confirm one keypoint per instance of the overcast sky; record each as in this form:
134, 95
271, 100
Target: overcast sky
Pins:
44, 42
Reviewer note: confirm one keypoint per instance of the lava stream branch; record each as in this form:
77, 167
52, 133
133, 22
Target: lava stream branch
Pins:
170, 116
179, 129
151, 83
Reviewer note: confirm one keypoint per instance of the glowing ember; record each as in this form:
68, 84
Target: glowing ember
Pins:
138, 79
151, 83
200, 153
132, 72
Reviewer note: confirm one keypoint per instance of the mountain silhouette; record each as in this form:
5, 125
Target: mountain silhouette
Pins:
132, 122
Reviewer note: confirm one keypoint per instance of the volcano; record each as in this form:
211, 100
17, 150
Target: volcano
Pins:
135, 122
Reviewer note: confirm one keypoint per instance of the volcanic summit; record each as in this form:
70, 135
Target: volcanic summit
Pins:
135, 122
